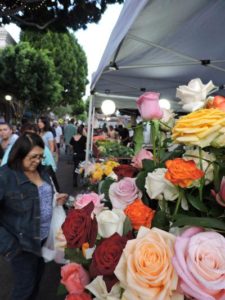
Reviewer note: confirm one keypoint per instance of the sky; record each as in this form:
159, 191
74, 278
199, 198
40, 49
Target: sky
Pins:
93, 40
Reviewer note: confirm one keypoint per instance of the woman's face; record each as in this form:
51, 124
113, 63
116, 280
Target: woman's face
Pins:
32, 160
41, 125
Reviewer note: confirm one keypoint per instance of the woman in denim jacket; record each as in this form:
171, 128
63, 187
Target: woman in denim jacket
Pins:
26, 195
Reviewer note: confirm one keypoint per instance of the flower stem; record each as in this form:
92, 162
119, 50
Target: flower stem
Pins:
178, 203
153, 140
202, 180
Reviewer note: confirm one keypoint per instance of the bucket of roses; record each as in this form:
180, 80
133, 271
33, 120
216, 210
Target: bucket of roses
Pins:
162, 236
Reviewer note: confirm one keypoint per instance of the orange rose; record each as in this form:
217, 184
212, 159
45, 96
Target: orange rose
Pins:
217, 102
182, 172
139, 214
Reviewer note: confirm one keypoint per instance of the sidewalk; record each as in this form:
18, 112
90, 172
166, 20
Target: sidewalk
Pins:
51, 278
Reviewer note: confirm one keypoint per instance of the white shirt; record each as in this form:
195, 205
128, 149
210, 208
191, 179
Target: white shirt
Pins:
58, 132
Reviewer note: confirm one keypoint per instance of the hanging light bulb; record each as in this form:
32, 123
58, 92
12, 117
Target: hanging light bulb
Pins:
108, 107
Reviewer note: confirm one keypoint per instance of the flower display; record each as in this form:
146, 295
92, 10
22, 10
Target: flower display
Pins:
123, 192
199, 263
139, 214
154, 228
148, 105
142, 154
145, 269
193, 96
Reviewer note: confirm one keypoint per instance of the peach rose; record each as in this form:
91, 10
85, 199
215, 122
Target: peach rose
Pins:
200, 263
74, 277
142, 154
139, 214
145, 269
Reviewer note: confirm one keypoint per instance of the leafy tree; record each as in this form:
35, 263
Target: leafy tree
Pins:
30, 75
57, 14
69, 59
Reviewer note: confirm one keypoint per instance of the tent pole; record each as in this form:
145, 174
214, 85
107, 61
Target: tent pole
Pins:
89, 131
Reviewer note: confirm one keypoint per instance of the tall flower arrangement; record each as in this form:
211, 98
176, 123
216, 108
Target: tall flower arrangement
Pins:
157, 229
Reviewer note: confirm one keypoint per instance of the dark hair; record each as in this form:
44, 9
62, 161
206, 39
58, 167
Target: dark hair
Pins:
80, 129
7, 124
22, 146
46, 122
29, 127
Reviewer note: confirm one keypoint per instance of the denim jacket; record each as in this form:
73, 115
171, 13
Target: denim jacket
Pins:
19, 213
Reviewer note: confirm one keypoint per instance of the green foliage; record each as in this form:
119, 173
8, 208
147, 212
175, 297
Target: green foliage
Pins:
54, 14
113, 149
30, 75
183, 220
69, 60
76, 255
161, 220
127, 226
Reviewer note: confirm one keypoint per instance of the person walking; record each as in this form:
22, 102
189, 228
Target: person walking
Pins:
7, 138
78, 142
69, 131
26, 196
46, 133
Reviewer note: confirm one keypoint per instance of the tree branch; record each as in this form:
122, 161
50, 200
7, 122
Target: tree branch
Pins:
41, 27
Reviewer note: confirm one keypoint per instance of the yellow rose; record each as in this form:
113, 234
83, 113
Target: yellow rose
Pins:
145, 269
199, 128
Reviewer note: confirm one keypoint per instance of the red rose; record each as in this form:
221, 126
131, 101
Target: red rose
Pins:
80, 228
125, 171
106, 257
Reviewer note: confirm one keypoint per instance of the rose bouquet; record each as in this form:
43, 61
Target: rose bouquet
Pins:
156, 229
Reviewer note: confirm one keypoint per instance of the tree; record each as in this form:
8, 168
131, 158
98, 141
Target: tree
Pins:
69, 59
30, 75
54, 14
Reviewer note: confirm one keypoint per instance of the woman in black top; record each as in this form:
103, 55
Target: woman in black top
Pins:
78, 142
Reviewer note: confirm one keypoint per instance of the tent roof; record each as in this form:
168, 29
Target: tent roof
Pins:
157, 45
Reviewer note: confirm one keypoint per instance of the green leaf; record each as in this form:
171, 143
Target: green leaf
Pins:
148, 165
61, 290
127, 226
76, 255
104, 187
140, 180
182, 220
196, 203
161, 220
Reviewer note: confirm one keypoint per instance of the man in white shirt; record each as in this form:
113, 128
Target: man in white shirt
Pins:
58, 138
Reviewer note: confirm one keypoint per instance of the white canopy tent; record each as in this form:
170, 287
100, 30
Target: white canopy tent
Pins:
157, 45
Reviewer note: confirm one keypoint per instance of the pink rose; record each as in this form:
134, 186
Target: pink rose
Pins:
123, 192
84, 199
220, 197
148, 105
75, 278
142, 154
200, 264
83, 296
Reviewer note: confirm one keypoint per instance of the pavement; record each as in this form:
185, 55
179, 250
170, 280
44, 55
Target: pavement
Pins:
51, 277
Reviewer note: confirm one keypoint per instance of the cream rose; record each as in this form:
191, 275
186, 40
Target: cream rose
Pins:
207, 159
158, 187
110, 221
145, 269
193, 95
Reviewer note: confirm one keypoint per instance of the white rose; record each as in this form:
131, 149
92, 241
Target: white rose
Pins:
110, 221
158, 187
167, 121
207, 167
193, 96
98, 288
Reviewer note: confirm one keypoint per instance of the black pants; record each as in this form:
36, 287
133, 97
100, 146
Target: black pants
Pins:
27, 269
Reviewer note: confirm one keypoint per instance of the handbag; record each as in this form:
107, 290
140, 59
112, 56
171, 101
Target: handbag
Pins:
49, 249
